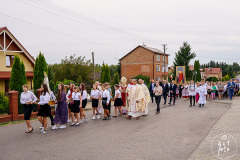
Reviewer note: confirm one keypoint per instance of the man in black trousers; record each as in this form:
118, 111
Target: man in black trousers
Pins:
172, 90
165, 91
152, 85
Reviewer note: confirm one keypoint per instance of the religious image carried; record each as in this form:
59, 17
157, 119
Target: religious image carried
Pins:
180, 75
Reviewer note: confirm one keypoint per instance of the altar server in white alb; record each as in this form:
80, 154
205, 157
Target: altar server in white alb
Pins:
202, 94
192, 90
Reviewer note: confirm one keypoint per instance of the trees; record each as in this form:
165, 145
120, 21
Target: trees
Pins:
23, 73
18, 75
197, 68
39, 68
105, 74
115, 80
182, 58
107, 77
102, 73
227, 69
143, 77
72, 68
18, 78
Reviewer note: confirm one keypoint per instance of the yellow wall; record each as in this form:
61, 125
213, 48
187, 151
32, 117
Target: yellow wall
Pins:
28, 66
2, 86
29, 83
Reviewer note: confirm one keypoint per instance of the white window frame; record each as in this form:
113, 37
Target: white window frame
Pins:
158, 57
158, 68
166, 68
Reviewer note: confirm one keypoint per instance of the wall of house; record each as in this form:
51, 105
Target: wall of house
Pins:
29, 83
140, 61
28, 65
2, 85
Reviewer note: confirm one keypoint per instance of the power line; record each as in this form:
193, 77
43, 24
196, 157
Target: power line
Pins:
47, 28
71, 13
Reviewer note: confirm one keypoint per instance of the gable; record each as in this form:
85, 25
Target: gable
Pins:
9, 44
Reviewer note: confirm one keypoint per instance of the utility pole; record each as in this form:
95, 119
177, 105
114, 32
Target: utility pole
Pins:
164, 49
93, 67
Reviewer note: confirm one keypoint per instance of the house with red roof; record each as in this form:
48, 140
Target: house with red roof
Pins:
211, 72
10, 47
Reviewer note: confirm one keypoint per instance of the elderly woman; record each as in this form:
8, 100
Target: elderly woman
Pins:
220, 90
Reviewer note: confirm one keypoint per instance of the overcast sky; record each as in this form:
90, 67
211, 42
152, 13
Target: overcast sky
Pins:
112, 28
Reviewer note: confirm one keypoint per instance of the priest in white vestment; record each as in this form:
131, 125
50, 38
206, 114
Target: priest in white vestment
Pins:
147, 97
137, 101
202, 95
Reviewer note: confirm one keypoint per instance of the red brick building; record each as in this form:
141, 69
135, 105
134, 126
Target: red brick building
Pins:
144, 60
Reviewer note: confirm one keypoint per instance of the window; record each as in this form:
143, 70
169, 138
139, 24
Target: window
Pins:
158, 57
157, 78
166, 68
158, 68
9, 60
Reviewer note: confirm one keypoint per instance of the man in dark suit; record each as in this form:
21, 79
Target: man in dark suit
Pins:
231, 86
152, 85
172, 90
160, 82
165, 90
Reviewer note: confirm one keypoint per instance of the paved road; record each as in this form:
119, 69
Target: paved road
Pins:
173, 134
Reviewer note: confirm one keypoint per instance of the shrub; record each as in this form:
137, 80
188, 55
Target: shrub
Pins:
143, 77
214, 79
4, 103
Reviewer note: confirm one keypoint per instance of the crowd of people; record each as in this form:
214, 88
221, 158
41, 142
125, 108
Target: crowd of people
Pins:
129, 99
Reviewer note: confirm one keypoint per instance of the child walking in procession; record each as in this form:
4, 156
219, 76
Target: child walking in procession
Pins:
75, 109
27, 99
61, 115
43, 112
95, 95
84, 102
118, 101
105, 102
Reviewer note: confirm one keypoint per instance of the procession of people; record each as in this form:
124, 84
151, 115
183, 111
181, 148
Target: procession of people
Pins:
130, 99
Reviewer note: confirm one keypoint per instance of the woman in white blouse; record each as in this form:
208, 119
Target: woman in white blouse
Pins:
43, 112
27, 98
95, 95
118, 100
84, 102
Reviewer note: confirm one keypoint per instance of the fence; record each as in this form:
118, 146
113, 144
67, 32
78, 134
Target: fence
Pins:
13, 108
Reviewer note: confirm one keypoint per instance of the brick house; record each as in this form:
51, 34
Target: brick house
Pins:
144, 60
9, 47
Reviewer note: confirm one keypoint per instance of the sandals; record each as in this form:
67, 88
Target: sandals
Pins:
29, 131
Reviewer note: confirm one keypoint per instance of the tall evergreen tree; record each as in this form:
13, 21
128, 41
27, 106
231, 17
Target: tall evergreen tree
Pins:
24, 77
39, 68
115, 81
102, 80
107, 77
182, 58
197, 68
16, 80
